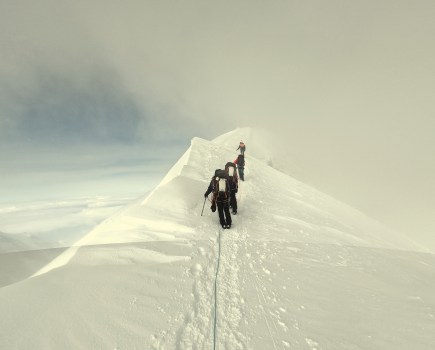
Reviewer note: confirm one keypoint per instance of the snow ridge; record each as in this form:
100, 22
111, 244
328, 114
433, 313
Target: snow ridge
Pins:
297, 270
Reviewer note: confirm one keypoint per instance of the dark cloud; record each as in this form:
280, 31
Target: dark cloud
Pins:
58, 111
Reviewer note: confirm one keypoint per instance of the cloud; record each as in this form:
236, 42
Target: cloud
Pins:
55, 173
59, 112
197, 63
60, 85
347, 86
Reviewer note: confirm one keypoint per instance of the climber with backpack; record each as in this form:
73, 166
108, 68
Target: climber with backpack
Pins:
242, 148
240, 161
220, 188
233, 180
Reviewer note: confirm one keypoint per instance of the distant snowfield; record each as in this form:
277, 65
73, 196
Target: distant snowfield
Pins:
298, 270
54, 223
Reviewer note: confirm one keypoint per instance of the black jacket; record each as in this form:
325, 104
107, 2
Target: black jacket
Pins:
240, 161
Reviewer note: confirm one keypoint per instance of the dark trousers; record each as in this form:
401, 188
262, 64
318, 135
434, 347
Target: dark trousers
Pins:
233, 202
224, 213
241, 173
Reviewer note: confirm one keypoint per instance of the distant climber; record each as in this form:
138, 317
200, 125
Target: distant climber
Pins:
220, 188
242, 148
240, 161
233, 180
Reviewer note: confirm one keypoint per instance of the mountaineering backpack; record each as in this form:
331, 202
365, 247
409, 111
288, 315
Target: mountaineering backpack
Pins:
220, 188
222, 185
231, 171
220, 173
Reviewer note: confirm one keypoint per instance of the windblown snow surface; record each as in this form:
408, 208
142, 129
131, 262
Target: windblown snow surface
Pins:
298, 270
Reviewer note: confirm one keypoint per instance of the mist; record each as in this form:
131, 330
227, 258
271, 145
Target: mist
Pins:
347, 87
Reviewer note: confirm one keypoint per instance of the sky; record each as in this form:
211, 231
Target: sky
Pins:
104, 96
300, 271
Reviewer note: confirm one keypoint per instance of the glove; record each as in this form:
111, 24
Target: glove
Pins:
205, 195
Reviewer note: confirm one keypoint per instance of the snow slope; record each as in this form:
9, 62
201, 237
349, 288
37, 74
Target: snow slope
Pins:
20, 242
298, 270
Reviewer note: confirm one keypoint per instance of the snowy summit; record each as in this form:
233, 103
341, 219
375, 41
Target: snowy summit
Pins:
297, 270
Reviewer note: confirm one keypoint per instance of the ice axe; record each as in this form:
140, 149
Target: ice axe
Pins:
203, 206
